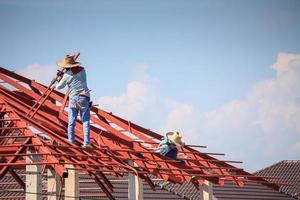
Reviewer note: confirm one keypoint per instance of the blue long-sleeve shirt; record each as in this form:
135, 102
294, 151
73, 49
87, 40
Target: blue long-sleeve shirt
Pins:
165, 146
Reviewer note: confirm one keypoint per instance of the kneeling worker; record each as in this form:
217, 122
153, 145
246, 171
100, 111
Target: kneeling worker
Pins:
79, 96
167, 146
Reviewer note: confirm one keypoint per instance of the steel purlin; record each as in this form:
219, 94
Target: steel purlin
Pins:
152, 134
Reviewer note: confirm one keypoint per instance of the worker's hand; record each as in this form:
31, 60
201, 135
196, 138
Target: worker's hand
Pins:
58, 78
60, 74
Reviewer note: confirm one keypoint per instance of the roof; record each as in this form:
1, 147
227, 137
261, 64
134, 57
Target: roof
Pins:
33, 122
286, 172
251, 191
10, 189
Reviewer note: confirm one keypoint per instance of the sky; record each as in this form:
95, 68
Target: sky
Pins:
226, 74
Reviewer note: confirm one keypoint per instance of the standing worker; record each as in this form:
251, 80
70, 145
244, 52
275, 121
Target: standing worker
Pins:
79, 96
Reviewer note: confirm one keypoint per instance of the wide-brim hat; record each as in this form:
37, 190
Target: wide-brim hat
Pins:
68, 62
176, 138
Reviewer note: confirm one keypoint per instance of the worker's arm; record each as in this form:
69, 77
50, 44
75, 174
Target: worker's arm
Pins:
163, 149
63, 81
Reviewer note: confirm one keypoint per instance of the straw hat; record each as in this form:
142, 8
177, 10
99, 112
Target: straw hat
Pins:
176, 138
68, 62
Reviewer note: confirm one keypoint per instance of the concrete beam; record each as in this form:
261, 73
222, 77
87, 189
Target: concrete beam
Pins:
206, 191
53, 185
72, 187
33, 178
135, 186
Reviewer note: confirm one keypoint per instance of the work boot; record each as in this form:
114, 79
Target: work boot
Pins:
195, 178
87, 146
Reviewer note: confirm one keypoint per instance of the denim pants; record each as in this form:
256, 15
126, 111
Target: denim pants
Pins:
79, 104
172, 153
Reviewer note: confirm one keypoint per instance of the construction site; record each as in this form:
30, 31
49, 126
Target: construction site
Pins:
38, 162
149, 100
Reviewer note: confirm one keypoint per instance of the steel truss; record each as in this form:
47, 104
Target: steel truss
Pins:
28, 107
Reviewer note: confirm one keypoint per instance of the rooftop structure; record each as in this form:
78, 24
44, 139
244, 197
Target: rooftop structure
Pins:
287, 171
33, 137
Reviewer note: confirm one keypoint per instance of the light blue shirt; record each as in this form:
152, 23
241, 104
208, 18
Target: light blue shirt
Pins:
165, 146
77, 83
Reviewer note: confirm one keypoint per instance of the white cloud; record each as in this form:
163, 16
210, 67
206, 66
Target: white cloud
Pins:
130, 104
296, 147
178, 116
277, 101
40, 73
260, 129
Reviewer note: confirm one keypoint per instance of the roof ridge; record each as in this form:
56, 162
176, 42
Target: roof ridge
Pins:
284, 169
270, 166
296, 161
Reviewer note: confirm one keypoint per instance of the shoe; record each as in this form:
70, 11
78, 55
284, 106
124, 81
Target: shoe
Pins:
87, 146
195, 178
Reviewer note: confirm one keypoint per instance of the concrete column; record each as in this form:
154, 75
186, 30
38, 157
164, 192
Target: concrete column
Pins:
72, 184
33, 178
135, 186
53, 185
206, 191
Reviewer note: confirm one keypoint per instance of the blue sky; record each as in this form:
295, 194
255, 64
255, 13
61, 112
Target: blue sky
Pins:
152, 60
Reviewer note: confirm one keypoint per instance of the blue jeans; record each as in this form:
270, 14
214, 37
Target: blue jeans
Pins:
172, 153
79, 104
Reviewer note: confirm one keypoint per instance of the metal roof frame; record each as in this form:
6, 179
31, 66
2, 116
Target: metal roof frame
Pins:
27, 106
